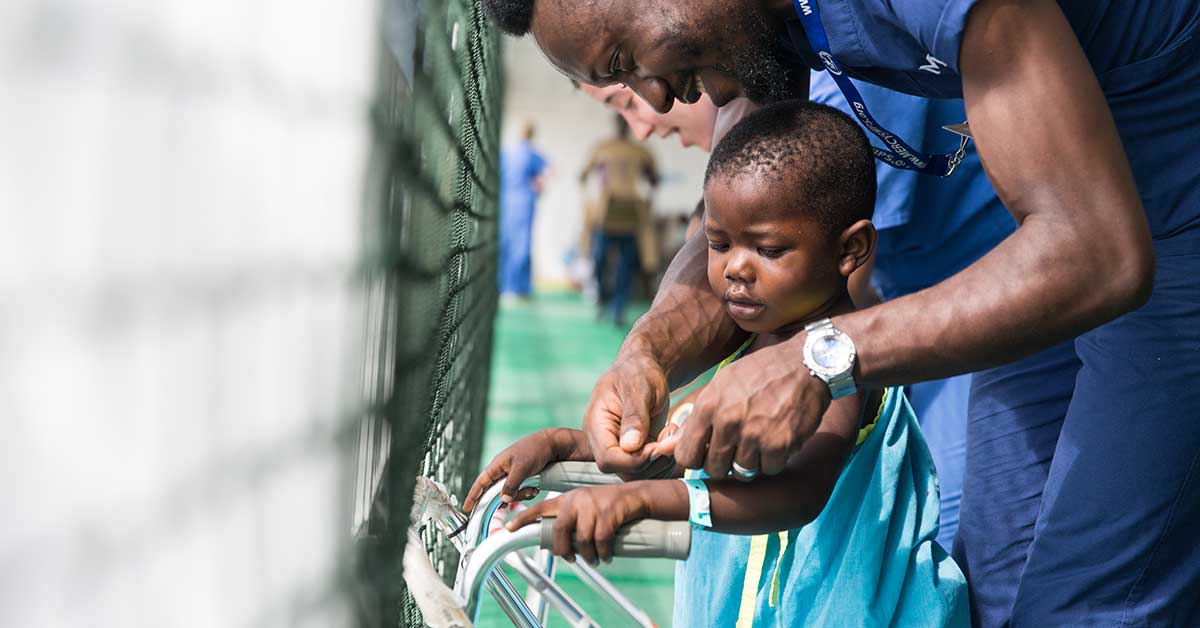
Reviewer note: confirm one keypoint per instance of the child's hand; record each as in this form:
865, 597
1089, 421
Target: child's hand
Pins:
664, 445
586, 519
524, 458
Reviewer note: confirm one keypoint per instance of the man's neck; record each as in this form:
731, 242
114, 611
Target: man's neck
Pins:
779, 10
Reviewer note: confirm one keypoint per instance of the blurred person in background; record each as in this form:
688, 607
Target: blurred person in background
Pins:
620, 219
521, 170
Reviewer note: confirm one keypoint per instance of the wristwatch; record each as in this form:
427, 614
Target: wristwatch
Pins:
829, 355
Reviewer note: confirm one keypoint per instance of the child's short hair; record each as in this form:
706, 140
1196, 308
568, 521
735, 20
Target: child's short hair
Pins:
816, 155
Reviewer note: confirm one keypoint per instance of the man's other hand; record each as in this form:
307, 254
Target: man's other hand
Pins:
629, 400
758, 411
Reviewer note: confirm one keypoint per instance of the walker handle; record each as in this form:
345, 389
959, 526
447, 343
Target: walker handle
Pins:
561, 477
647, 538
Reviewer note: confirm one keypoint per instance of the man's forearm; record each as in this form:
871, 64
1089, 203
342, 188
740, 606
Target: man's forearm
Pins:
1026, 295
687, 329
1082, 254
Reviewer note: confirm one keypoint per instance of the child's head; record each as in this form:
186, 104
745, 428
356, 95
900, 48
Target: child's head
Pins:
788, 197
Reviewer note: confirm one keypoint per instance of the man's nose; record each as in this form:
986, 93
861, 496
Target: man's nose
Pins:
653, 90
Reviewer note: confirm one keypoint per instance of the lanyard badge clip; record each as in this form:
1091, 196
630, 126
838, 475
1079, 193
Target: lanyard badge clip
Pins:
897, 153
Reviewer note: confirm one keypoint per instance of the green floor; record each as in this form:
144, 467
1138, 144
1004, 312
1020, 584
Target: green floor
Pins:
548, 353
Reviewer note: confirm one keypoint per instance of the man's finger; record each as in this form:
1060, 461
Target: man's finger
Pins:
721, 446
774, 460
719, 460
692, 442
636, 399
748, 458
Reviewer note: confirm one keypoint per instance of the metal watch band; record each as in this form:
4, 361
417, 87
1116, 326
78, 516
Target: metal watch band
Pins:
842, 384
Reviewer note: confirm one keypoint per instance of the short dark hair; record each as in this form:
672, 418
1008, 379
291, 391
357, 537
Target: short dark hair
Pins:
510, 16
816, 155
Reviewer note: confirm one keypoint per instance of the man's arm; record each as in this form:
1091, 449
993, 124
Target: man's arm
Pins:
1082, 253
1080, 257
687, 328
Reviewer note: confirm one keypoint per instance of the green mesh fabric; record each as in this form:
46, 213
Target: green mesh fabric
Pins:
432, 204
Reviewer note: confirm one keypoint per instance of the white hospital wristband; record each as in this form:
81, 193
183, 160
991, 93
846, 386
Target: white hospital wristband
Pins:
699, 504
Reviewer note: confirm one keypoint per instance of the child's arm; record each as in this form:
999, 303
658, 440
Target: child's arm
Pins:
527, 457
589, 517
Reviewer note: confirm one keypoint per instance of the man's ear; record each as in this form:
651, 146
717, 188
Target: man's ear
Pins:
858, 243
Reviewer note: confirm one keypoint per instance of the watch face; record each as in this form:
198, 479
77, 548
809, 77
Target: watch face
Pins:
831, 353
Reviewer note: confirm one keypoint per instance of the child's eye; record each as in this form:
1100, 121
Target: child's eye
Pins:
719, 247
771, 252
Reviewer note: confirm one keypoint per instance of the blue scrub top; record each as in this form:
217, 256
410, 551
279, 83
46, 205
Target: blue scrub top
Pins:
1146, 55
520, 164
929, 228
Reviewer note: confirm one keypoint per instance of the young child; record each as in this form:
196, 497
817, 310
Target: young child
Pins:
845, 535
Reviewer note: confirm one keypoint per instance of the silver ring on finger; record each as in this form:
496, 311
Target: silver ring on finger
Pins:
749, 474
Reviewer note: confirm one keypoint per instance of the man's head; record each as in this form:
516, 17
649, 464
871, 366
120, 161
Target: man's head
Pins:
788, 198
693, 123
663, 50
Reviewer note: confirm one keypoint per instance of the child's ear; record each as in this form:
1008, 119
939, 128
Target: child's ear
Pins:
858, 243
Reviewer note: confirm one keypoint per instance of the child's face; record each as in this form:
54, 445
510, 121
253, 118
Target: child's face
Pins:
769, 265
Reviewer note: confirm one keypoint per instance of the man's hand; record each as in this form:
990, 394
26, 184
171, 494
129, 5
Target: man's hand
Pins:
628, 401
758, 411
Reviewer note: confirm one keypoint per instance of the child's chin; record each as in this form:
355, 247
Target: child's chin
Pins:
753, 327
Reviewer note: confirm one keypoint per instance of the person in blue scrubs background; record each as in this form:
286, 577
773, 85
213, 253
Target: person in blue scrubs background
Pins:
521, 168
1086, 115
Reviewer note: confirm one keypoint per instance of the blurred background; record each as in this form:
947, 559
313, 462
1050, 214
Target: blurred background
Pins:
250, 266
181, 314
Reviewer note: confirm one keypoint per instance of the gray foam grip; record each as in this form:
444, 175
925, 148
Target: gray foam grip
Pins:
564, 476
641, 539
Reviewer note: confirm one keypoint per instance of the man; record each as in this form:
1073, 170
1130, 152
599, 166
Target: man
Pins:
620, 221
521, 168
1056, 98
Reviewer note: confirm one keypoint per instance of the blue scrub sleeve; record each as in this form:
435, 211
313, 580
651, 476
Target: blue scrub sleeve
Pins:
537, 164
937, 24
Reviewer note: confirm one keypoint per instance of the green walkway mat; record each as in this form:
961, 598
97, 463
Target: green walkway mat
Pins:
547, 355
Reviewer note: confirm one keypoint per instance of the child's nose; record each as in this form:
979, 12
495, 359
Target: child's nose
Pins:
739, 269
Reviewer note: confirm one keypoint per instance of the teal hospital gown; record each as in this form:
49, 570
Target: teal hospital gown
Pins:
869, 559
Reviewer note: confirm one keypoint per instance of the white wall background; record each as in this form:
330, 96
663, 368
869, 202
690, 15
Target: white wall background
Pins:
568, 125
179, 212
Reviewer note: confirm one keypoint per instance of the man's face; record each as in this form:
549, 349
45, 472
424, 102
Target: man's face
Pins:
667, 51
693, 123
770, 266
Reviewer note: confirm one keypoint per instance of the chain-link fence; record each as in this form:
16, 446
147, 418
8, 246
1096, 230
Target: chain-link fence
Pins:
201, 204
432, 208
